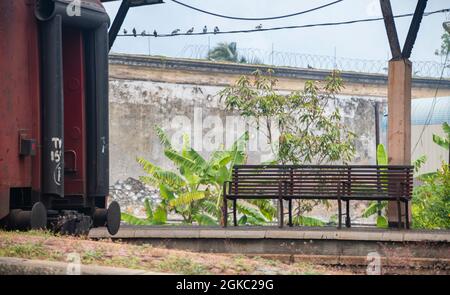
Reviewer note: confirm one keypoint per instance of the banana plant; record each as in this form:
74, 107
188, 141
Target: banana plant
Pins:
377, 206
194, 191
154, 216
181, 191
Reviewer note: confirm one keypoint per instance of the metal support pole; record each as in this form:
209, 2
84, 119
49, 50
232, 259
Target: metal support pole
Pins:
118, 22
377, 141
235, 212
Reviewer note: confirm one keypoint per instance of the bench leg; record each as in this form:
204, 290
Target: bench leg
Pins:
290, 213
399, 212
347, 214
234, 213
225, 212
339, 214
406, 215
280, 213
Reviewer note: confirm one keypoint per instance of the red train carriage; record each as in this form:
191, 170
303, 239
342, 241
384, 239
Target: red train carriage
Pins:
54, 169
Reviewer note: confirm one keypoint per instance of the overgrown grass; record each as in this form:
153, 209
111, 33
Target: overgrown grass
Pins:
124, 261
181, 265
92, 256
305, 268
23, 250
242, 265
30, 233
29, 251
44, 245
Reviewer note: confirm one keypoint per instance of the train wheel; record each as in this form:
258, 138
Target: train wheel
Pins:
38, 218
113, 218
108, 217
24, 220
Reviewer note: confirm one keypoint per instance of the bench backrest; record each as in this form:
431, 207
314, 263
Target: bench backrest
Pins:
258, 180
321, 181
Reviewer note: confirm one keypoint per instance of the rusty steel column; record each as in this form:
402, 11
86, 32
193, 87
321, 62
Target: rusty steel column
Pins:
399, 122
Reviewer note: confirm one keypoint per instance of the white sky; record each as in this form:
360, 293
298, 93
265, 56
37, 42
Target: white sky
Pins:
365, 41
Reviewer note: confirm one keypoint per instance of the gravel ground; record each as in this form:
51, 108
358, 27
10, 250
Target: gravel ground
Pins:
131, 193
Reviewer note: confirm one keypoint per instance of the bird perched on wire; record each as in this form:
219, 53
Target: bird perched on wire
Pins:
155, 33
216, 29
175, 31
125, 31
190, 31
205, 29
143, 33
258, 27
134, 32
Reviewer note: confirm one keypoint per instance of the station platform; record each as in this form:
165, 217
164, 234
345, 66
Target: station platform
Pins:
399, 250
271, 232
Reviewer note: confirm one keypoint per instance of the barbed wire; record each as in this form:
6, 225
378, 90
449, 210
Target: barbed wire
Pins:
323, 62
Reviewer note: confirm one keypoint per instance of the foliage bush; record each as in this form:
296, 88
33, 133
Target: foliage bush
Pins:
431, 201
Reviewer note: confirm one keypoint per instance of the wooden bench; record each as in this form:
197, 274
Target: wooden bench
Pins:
342, 183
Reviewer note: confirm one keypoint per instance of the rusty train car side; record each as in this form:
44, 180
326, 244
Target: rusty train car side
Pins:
54, 159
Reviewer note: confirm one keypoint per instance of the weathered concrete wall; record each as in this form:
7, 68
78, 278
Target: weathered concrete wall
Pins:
181, 96
202, 72
137, 106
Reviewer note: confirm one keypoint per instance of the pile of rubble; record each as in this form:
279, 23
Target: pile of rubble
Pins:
131, 193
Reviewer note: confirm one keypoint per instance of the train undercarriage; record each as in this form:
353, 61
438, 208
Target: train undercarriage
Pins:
54, 128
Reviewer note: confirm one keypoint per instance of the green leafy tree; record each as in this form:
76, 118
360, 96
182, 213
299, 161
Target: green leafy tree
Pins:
301, 127
308, 132
226, 52
445, 45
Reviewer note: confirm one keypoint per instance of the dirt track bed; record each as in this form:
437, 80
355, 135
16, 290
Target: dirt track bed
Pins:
118, 253
47, 246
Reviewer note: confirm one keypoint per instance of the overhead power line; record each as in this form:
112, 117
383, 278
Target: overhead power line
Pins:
256, 18
284, 27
